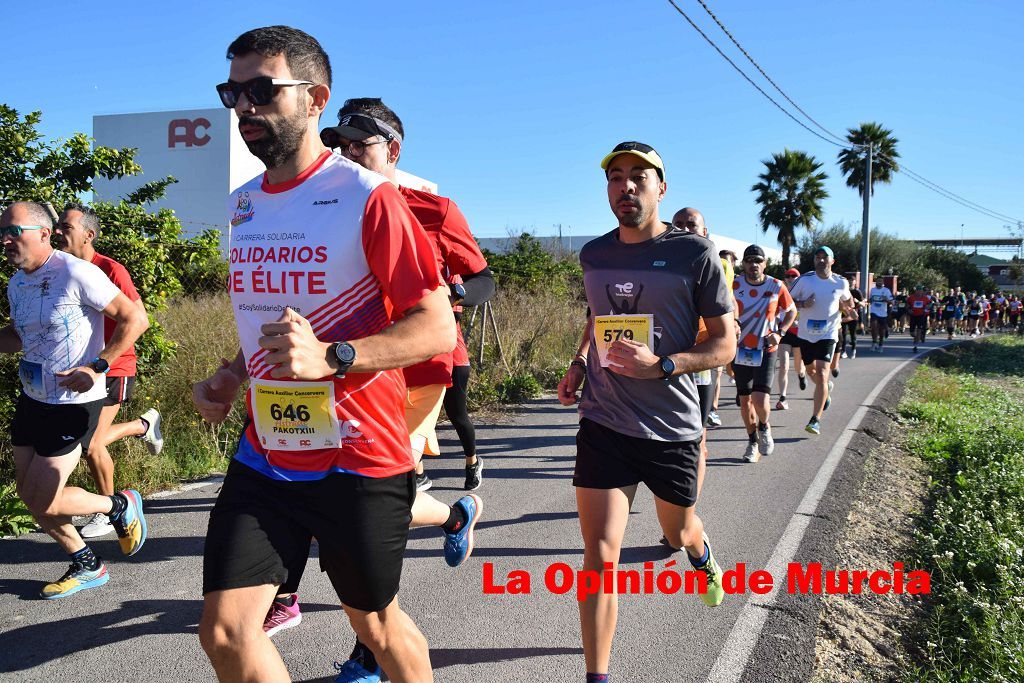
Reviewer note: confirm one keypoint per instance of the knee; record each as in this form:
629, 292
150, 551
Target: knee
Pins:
220, 638
371, 631
598, 551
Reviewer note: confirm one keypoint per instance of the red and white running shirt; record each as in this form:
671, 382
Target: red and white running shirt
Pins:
340, 246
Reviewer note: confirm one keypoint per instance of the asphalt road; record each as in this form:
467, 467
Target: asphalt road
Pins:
142, 624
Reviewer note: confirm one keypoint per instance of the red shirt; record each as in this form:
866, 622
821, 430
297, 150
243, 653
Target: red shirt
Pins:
126, 364
918, 304
457, 254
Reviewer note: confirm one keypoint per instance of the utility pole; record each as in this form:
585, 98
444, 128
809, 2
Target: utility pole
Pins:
865, 231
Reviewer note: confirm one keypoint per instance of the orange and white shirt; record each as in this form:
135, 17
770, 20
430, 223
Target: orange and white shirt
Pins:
759, 307
340, 246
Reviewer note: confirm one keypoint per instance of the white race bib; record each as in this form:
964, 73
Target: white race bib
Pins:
750, 357
31, 375
702, 378
814, 328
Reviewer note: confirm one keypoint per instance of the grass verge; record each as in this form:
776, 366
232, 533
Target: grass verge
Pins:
966, 421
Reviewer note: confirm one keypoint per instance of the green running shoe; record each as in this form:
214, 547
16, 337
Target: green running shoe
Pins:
715, 594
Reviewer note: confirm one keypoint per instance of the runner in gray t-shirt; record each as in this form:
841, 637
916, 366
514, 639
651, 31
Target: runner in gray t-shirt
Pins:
647, 285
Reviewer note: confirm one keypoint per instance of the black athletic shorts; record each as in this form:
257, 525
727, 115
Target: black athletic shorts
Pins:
119, 390
260, 527
884, 319
606, 459
791, 339
817, 350
54, 429
918, 321
750, 379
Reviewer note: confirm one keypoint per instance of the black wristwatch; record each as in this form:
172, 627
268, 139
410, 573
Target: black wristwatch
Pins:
668, 367
456, 293
346, 355
99, 365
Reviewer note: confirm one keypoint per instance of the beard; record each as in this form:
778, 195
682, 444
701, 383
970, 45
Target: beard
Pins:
281, 138
635, 217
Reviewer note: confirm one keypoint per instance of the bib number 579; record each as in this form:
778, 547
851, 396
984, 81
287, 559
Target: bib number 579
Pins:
613, 335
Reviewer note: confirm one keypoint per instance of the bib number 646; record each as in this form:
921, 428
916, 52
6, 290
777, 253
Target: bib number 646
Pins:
290, 412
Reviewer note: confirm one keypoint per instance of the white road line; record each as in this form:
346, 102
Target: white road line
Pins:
187, 487
739, 646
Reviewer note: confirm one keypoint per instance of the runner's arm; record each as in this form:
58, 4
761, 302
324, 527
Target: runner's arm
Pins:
10, 342
718, 349
131, 321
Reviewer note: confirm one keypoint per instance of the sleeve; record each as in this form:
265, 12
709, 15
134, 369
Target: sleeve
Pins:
797, 293
712, 294
119, 276
398, 249
845, 296
459, 249
94, 288
785, 299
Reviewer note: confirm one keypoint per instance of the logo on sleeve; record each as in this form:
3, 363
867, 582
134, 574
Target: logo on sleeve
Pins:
244, 210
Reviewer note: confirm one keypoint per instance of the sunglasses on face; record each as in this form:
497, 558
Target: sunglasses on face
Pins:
260, 91
350, 148
16, 230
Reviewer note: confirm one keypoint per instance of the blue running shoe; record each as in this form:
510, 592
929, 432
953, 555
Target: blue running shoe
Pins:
131, 524
458, 545
77, 578
814, 426
353, 672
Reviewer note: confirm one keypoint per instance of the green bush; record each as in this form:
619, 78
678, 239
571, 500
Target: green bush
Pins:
15, 519
518, 388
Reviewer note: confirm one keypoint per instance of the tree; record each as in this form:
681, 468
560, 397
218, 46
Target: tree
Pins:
790, 194
884, 156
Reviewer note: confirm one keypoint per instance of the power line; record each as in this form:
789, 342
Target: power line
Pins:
768, 78
749, 80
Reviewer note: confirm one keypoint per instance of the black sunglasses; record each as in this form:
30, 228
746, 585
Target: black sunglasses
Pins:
259, 91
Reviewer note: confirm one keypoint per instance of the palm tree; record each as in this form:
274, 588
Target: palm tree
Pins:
883, 162
790, 194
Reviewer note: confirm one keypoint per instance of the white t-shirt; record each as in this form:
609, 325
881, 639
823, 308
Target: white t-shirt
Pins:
879, 298
57, 311
822, 320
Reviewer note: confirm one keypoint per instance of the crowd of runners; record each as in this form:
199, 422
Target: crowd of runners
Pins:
351, 354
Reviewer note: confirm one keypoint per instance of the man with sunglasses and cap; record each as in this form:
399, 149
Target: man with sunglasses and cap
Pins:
335, 288
760, 300
58, 303
370, 134
640, 420
821, 297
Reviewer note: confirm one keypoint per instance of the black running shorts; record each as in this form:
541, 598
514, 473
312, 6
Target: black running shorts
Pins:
918, 322
260, 526
817, 350
119, 390
54, 429
606, 459
883, 319
791, 339
750, 379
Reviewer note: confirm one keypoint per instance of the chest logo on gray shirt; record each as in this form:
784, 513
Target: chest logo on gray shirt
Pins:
624, 291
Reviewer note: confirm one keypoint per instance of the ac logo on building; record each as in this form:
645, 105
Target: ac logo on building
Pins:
188, 132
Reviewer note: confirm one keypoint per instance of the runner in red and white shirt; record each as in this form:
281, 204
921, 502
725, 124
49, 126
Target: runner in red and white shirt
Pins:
334, 287
759, 301
75, 232
371, 134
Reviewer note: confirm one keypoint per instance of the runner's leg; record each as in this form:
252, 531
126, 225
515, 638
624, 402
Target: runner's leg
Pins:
603, 516
231, 633
783, 374
101, 465
399, 647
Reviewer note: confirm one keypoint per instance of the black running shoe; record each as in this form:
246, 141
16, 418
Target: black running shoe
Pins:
474, 474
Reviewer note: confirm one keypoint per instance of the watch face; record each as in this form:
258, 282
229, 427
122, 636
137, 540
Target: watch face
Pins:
345, 352
667, 366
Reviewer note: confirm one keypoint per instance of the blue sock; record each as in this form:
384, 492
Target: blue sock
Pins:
597, 678
697, 564
87, 558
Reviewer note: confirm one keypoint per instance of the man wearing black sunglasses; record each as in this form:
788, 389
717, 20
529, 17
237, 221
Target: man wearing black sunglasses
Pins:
334, 287
371, 134
58, 303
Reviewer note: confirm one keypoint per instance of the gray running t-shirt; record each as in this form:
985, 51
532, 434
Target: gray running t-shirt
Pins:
677, 277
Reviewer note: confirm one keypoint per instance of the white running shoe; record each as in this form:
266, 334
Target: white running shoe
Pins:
765, 442
98, 525
751, 454
153, 437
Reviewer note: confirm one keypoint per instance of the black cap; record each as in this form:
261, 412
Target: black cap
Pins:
752, 251
357, 127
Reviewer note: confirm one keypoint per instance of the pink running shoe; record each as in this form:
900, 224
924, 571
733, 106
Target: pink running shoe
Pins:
281, 616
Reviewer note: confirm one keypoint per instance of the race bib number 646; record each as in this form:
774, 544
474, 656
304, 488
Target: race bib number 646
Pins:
293, 416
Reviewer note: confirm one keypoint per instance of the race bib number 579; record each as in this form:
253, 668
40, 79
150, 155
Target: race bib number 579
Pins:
610, 328
294, 416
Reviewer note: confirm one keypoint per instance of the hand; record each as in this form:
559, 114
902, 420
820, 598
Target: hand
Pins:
570, 384
78, 379
774, 338
806, 303
214, 396
633, 359
294, 348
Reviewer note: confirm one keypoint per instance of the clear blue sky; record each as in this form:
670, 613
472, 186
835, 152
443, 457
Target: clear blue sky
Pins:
510, 106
